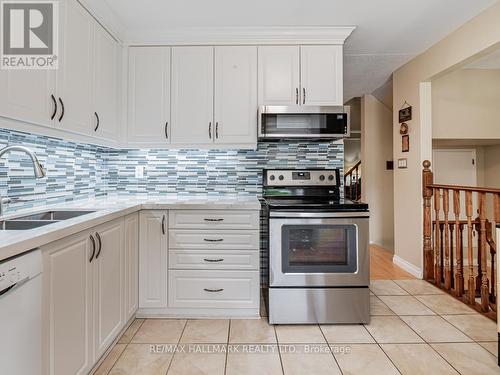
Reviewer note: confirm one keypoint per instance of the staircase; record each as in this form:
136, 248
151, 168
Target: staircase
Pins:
352, 182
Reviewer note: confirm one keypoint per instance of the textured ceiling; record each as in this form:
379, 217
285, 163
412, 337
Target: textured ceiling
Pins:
388, 33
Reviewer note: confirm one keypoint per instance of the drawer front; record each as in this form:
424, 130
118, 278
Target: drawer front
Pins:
213, 239
213, 289
214, 259
213, 219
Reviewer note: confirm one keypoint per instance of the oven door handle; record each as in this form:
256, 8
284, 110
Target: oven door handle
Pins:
318, 215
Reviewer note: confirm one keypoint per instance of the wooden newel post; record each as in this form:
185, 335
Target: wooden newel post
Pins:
428, 179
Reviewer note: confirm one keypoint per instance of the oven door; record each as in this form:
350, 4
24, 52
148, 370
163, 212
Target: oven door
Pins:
319, 251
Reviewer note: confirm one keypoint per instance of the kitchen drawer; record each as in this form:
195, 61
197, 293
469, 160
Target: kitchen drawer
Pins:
213, 239
214, 259
213, 219
213, 289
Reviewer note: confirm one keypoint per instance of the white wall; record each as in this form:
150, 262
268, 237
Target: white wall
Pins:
465, 104
480, 35
377, 182
492, 166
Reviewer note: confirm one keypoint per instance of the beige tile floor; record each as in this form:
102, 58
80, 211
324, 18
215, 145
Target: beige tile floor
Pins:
414, 329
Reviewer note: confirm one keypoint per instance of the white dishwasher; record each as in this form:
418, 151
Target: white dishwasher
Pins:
21, 314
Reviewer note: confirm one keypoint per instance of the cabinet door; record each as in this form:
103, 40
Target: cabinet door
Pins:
108, 286
321, 75
131, 290
149, 96
192, 95
67, 306
74, 76
105, 86
26, 95
236, 95
153, 266
279, 75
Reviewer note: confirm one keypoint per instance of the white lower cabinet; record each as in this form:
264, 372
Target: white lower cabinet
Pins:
108, 285
85, 285
131, 275
153, 259
68, 280
198, 263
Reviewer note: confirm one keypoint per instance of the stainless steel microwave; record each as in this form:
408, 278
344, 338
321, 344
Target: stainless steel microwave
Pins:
282, 122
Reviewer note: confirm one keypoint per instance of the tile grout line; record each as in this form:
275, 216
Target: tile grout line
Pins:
331, 351
278, 346
177, 345
126, 346
227, 346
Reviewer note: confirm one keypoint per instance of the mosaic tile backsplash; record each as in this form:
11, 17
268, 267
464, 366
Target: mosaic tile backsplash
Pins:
76, 170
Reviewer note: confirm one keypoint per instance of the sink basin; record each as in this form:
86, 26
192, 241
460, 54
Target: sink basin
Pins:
24, 225
53, 215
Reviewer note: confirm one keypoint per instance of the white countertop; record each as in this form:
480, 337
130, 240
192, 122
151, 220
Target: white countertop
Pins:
14, 242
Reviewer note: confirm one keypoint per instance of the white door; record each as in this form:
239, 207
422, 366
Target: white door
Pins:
74, 76
67, 306
455, 167
192, 95
28, 95
105, 85
279, 82
149, 96
321, 75
153, 247
236, 95
131, 246
108, 284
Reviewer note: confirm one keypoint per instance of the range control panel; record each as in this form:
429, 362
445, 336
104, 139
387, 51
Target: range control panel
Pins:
287, 177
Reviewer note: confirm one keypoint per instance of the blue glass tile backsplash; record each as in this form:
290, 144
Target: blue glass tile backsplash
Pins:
77, 170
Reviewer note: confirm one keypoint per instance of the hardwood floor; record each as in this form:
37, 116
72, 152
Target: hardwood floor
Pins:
382, 267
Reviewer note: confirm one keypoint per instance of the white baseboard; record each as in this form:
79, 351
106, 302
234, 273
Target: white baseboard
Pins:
408, 267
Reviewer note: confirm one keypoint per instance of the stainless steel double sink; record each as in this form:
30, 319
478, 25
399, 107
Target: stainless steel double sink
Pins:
40, 219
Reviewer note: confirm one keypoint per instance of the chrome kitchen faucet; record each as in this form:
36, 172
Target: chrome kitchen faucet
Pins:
37, 167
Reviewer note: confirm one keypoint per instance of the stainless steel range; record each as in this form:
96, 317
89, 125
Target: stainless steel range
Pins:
319, 264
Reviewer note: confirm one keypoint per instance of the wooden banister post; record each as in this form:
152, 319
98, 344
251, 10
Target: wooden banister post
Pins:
471, 290
428, 179
459, 276
484, 257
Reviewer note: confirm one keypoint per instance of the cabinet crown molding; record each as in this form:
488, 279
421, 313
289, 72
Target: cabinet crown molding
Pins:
240, 36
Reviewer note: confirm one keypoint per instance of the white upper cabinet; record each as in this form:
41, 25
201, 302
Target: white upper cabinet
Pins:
192, 95
149, 96
306, 75
74, 76
279, 75
28, 95
236, 95
105, 85
321, 75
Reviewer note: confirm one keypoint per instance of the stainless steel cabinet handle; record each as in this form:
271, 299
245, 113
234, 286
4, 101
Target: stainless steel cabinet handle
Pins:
217, 130
55, 107
213, 260
98, 121
213, 240
163, 225
210, 130
303, 95
100, 245
296, 95
93, 248
216, 220
166, 130
213, 290
62, 110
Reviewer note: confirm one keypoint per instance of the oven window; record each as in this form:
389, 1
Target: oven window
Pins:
319, 248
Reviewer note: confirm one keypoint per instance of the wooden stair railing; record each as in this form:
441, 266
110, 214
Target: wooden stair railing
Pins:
447, 235
352, 182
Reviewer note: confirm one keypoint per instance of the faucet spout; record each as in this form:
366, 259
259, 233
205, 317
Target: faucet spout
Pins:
37, 166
